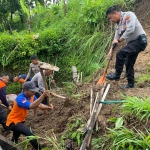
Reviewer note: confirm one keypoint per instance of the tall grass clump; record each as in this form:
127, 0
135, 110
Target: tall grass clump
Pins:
139, 107
122, 138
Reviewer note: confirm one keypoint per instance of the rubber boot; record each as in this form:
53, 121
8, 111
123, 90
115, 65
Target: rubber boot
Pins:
129, 85
114, 76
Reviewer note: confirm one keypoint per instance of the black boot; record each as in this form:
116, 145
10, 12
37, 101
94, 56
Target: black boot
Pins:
114, 76
6, 128
129, 85
14, 141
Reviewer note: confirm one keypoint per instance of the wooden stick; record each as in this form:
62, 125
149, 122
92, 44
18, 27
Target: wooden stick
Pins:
88, 134
3, 105
91, 101
92, 96
90, 137
45, 84
59, 96
95, 106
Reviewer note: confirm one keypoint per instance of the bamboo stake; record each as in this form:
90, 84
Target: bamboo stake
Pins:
90, 137
91, 101
92, 122
81, 77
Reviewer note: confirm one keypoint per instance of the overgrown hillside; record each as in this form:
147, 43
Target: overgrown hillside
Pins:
77, 37
81, 39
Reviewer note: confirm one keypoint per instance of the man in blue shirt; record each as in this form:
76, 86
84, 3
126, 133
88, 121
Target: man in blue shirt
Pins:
25, 101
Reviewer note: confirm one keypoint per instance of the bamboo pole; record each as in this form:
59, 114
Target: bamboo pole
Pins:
92, 122
90, 137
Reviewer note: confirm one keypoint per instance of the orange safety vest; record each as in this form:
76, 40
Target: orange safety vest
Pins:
17, 114
2, 84
21, 80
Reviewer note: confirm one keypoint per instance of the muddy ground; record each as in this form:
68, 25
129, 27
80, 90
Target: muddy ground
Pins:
58, 118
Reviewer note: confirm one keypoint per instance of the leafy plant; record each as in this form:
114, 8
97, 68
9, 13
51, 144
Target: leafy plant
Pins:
74, 127
123, 138
140, 107
52, 142
13, 88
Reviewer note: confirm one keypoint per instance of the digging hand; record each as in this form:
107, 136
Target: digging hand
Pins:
110, 54
9, 107
51, 106
115, 41
46, 93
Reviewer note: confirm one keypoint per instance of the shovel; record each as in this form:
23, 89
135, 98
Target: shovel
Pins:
102, 78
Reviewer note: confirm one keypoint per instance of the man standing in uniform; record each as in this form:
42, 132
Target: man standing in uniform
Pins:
34, 66
127, 28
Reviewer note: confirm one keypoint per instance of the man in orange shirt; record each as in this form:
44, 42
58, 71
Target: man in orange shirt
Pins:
25, 101
3, 82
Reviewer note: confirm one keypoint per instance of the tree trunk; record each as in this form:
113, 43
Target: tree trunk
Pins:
64, 7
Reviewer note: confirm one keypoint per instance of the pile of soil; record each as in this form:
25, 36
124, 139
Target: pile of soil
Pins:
64, 109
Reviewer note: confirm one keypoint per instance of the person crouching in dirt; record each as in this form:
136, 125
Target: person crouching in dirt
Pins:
21, 78
37, 79
127, 28
3, 116
25, 101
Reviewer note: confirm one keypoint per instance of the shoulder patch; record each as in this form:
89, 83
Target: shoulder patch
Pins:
128, 17
24, 100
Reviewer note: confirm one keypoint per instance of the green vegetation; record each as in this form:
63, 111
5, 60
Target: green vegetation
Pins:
74, 130
144, 78
121, 136
69, 88
14, 88
139, 107
81, 37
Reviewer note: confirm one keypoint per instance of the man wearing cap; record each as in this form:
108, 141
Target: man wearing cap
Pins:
25, 101
34, 66
21, 78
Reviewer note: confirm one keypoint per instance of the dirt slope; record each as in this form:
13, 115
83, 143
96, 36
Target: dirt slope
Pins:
58, 118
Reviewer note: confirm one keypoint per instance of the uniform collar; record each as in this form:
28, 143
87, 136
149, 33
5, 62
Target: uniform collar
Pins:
121, 17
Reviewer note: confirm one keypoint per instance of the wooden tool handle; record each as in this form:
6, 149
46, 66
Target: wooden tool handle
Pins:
45, 84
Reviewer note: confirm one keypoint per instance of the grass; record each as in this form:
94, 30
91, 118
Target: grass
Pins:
143, 78
139, 107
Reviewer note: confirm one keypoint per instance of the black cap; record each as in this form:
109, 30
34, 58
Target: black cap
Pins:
11, 78
30, 85
33, 57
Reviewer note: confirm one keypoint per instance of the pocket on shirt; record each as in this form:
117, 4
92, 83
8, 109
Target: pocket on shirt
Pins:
143, 41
